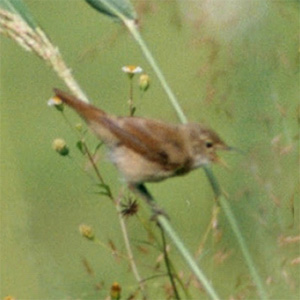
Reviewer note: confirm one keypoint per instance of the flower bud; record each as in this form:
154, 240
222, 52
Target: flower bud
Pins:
144, 82
86, 231
56, 102
60, 146
115, 291
79, 127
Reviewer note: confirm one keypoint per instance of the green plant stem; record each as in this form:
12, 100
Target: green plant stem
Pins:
130, 24
151, 234
132, 27
164, 223
128, 249
168, 265
131, 106
235, 228
116, 201
122, 225
96, 170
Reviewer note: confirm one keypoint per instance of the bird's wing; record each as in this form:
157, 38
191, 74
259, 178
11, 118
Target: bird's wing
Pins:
156, 141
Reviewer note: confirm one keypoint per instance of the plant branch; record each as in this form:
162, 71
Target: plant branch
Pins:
187, 256
167, 262
128, 247
166, 226
116, 202
130, 24
122, 225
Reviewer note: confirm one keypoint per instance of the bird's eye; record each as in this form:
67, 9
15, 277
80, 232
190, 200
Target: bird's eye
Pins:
209, 144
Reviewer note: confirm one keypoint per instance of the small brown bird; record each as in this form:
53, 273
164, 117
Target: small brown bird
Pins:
146, 150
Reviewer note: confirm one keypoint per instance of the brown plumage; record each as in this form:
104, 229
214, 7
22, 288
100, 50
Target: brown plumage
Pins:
149, 150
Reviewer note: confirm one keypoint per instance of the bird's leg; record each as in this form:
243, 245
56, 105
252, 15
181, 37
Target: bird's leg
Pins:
143, 192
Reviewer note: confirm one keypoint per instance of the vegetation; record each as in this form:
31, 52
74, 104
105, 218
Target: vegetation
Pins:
233, 66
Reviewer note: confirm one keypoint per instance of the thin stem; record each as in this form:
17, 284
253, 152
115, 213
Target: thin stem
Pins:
234, 225
187, 256
91, 159
130, 24
131, 107
130, 256
152, 235
166, 226
167, 262
211, 226
128, 248
132, 27
102, 244
122, 225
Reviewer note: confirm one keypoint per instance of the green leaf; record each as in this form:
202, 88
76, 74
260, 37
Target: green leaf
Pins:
81, 147
104, 189
119, 9
98, 146
19, 8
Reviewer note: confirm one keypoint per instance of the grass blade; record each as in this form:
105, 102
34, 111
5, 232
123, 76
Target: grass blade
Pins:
118, 9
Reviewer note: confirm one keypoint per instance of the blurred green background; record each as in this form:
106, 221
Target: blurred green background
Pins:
233, 65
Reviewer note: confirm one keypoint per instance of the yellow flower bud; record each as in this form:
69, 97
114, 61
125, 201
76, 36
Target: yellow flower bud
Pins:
87, 231
78, 127
115, 291
144, 82
60, 146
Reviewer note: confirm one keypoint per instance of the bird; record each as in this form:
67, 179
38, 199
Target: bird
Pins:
147, 150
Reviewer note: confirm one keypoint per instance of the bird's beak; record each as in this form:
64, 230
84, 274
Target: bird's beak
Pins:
221, 161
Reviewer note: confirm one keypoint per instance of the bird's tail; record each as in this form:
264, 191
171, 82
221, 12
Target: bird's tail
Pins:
85, 110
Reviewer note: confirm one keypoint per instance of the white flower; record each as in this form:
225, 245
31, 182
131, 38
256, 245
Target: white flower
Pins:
132, 69
54, 101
